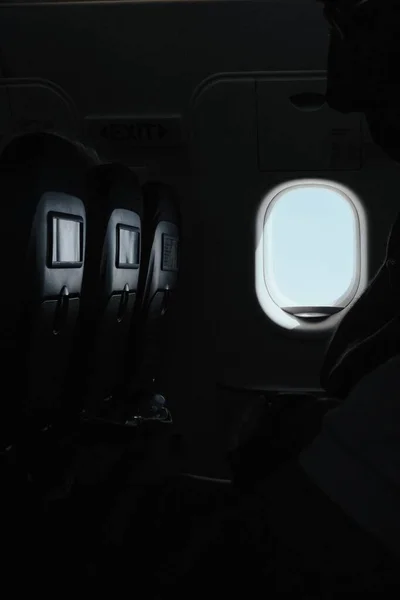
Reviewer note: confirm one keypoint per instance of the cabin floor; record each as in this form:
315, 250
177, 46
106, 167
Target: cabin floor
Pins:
126, 515
120, 512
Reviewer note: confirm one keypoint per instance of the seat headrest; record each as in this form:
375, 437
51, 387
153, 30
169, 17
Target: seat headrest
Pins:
372, 312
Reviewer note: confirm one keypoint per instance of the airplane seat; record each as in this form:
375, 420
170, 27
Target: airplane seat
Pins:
157, 285
113, 205
369, 333
43, 240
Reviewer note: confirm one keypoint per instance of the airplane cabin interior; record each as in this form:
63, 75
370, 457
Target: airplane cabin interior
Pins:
200, 297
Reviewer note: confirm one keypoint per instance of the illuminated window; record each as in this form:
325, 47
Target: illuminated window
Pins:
310, 250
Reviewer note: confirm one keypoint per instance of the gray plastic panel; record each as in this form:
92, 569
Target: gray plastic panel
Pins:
37, 106
224, 126
301, 135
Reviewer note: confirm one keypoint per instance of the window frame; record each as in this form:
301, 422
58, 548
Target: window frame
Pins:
283, 320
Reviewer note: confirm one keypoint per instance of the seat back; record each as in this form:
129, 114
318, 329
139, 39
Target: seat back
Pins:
158, 282
43, 241
114, 211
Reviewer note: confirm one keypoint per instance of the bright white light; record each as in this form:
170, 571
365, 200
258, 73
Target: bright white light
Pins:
308, 252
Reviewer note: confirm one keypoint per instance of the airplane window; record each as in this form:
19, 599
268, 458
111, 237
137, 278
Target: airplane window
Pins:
310, 252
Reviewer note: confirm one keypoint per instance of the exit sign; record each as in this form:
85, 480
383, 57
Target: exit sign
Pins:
138, 132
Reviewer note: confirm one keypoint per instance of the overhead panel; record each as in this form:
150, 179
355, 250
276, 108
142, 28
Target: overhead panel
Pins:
298, 131
38, 106
29, 105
